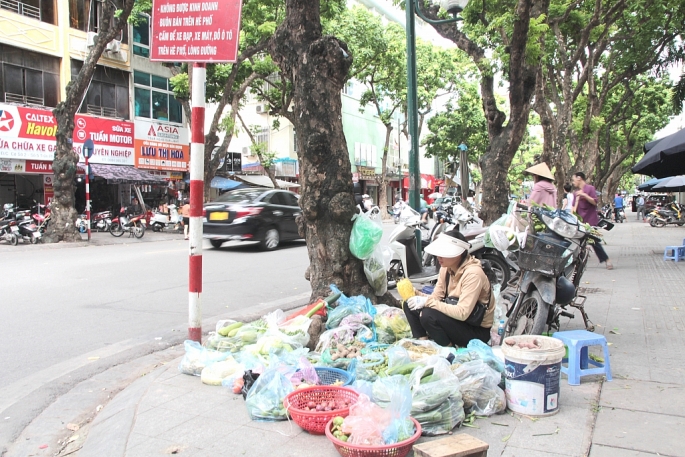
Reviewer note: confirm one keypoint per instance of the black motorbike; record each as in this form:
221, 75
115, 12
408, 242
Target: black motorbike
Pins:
552, 262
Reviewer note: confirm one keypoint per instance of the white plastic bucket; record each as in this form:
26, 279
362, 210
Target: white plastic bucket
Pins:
533, 375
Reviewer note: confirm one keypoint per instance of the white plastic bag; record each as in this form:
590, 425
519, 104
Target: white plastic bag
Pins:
214, 374
376, 268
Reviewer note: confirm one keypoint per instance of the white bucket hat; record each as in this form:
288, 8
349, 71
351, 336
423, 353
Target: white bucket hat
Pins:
447, 246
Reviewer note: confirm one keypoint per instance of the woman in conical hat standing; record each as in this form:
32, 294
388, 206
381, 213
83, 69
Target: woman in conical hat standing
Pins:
544, 192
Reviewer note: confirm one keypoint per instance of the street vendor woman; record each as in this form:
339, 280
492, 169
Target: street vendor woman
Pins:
449, 316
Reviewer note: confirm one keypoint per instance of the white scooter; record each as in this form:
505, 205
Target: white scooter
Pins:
163, 221
405, 258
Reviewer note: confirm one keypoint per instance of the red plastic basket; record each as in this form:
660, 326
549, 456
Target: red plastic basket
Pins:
315, 421
400, 449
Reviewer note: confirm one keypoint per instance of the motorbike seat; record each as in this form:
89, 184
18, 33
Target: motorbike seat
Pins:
426, 272
471, 234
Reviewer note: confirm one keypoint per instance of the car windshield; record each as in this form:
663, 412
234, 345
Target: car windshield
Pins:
241, 196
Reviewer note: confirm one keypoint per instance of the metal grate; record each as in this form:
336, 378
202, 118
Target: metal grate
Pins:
23, 99
95, 110
21, 8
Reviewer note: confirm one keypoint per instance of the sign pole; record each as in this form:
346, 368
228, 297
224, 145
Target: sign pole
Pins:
197, 166
88, 149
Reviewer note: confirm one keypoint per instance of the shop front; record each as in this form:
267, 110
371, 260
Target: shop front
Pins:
27, 148
367, 179
163, 150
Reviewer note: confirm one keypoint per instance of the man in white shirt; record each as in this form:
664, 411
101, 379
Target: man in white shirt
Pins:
640, 204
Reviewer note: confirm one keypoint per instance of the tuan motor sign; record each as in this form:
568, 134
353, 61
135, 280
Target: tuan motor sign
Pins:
195, 31
29, 134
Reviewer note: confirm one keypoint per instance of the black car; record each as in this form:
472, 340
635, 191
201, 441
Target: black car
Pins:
253, 214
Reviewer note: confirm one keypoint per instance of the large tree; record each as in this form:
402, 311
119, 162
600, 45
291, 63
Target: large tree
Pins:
113, 18
317, 67
596, 49
500, 37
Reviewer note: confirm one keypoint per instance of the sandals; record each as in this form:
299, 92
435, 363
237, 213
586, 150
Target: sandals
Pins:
610, 266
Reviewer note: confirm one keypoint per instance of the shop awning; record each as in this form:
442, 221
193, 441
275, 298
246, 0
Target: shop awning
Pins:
264, 181
123, 174
221, 183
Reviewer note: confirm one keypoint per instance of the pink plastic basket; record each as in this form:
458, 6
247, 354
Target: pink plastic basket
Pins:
315, 421
400, 449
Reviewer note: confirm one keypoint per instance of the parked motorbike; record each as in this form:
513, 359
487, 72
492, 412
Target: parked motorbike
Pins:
672, 214
134, 225
27, 229
9, 231
42, 220
166, 221
405, 258
607, 212
552, 263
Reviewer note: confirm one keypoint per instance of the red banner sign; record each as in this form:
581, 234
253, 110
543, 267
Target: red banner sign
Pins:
195, 31
29, 133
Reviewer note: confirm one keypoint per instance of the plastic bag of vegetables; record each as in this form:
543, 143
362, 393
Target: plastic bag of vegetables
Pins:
365, 235
376, 267
393, 394
198, 357
335, 336
265, 399
436, 399
214, 374
347, 306
479, 388
391, 325
477, 350
366, 423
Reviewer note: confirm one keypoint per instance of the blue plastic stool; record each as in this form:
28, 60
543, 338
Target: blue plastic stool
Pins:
678, 252
578, 361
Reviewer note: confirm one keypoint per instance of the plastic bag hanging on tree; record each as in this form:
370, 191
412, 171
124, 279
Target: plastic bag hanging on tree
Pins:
365, 235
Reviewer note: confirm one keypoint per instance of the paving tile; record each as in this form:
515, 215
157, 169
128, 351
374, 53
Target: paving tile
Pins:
232, 410
155, 447
158, 420
658, 398
199, 432
134, 439
158, 394
607, 451
569, 430
512, 451
200, 400
641, 431
250, 442
182, 380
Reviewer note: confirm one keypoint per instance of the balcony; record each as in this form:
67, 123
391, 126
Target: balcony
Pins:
101, 111
20, 8
23, 99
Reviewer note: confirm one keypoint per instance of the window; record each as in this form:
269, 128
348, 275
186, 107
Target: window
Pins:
141, 37
277, 198
43, 10
84, 15
262, 136
28, 78
154, 98
291, 200
365, 154
107, 94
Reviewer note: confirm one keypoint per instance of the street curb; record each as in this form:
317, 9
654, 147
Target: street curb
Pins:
110, 430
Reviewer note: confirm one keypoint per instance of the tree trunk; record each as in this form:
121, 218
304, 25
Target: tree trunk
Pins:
63, 224
383, 179
317, 66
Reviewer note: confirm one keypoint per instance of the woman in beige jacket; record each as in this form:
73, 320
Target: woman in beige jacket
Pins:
461, 277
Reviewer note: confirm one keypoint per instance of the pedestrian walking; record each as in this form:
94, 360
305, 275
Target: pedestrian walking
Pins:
585, 204
640, 204
185, 213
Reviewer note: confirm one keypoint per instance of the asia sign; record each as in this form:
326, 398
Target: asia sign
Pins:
195, 31
29, 134
161, 146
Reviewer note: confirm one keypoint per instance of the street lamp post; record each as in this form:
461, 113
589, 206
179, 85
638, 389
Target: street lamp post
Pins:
453, 7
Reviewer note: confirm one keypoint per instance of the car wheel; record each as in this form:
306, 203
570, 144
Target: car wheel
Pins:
271, 239
216, 243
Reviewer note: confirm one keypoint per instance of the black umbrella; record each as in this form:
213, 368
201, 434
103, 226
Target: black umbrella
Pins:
665, 158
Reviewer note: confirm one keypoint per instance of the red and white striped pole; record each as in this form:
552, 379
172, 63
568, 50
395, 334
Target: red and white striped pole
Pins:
87, 197
197, 167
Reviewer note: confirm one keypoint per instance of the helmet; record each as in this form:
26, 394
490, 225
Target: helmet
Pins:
566, 291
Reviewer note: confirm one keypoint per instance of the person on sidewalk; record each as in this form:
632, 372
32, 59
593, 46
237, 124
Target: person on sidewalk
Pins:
185, 213
568, 200
585, 204
544, 192
439, 316
640, 206
618, 207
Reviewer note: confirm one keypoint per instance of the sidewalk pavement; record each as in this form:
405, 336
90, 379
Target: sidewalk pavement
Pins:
96, 239
638, 306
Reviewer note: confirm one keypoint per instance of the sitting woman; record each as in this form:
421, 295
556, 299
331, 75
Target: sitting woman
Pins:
440, 316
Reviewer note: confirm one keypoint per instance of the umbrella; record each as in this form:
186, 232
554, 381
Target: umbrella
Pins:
665, 158
435, 195
648, 185
675, 184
